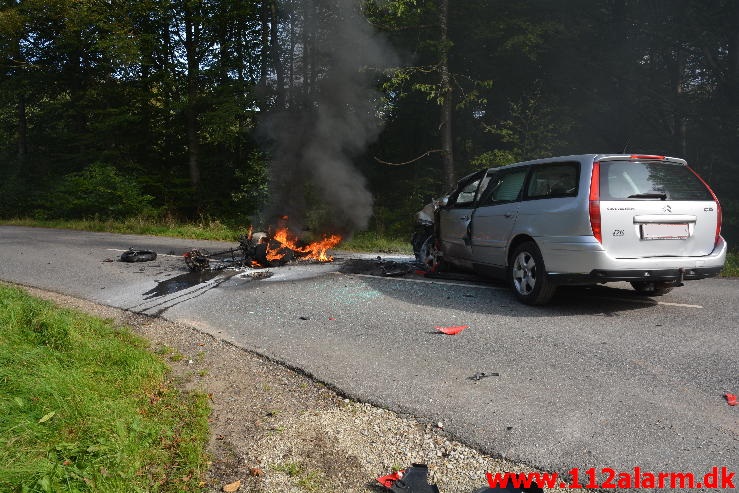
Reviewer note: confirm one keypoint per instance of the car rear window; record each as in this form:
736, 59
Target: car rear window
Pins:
651, 180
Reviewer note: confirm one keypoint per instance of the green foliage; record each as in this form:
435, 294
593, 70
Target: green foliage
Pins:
533, 130
493, 159
81, 84
98, 191
85, 407
731, 269
253, 190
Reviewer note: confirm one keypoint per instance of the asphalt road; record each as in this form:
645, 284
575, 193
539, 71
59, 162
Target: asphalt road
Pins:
600, 378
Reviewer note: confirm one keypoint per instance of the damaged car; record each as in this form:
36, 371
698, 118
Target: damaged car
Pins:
578, 220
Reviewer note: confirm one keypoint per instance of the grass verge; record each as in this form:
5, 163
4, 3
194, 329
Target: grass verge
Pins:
204, 230
85, 406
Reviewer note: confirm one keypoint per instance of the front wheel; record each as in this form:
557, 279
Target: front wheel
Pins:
527, 275
652, 288
430, 256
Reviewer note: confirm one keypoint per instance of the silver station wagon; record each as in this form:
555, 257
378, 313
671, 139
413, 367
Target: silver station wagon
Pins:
578, 220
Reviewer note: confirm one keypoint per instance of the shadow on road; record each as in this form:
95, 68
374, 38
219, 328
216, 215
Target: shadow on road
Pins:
469, 292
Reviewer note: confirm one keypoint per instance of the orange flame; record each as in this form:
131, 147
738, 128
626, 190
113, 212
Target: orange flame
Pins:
312, 251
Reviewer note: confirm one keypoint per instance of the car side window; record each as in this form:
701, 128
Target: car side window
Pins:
504, 187
466, 196
553, 180
466, 193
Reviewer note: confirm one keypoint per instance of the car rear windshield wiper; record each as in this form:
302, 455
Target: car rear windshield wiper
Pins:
651, 195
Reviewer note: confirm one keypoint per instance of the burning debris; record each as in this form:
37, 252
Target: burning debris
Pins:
261, 250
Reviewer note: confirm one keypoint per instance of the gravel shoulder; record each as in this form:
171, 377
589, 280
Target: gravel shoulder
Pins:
276, 430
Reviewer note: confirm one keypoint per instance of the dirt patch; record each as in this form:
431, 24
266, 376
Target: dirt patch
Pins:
278, 431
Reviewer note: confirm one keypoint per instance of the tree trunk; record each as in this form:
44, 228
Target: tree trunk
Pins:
22, 121
276, 58
266, 15
22, 129
676, 68
191, 117
445, 123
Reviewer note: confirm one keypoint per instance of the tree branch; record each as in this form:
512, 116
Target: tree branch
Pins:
425, 154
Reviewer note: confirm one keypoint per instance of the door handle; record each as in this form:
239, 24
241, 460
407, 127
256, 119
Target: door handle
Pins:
508, 215
464, 218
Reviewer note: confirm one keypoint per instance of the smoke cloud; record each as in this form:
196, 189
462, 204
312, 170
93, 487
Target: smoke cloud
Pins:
316, 140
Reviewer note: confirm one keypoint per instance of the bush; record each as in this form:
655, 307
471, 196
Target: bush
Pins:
98, 191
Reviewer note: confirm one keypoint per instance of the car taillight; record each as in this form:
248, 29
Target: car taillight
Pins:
594, 207
719, 217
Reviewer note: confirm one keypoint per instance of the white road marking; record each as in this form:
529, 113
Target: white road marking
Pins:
684, 305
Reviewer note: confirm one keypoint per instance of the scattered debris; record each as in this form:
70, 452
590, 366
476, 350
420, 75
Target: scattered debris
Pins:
450, 331
256, 472
263, 250
232, 487
262, 274
413, 480
481, 374
379, 267
304, 318
730, 399
387, 481
132, 255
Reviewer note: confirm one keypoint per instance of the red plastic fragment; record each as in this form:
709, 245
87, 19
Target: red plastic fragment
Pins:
419, 272
730, 399
450, 331
387, 481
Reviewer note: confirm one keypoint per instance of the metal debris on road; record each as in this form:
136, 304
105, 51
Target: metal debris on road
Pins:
481, 374
133, 255
412, 480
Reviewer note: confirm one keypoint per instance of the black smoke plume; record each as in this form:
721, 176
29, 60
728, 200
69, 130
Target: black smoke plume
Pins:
317, 137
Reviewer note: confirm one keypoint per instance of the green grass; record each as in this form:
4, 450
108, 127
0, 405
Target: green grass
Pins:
369, 241
731, 269
85, 406
204, 230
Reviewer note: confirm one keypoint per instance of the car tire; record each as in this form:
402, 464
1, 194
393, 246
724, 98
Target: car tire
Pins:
527, 275
138, 256
652, 288
430, 256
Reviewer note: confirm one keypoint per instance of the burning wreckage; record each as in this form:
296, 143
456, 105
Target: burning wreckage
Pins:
261, 250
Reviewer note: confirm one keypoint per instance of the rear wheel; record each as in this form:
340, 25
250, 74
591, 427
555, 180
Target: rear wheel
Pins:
652, 288
527, 275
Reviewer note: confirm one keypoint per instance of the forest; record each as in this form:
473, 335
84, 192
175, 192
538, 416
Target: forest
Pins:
347, 114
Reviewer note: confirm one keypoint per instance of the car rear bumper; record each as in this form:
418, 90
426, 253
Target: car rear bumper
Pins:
659, 275
594, 265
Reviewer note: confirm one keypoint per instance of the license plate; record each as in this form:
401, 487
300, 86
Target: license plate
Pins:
662, 231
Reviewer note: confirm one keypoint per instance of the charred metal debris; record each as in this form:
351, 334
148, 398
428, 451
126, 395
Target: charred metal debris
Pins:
133, 255
251, 252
